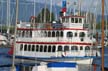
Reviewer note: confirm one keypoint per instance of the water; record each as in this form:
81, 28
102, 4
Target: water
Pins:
4, 60
7, 61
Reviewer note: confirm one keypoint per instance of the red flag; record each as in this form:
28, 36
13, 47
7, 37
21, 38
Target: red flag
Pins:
63, 9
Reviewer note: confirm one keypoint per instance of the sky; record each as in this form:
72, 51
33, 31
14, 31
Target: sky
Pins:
25, 5
86, 5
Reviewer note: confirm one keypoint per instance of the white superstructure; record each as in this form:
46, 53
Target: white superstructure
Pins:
67, 40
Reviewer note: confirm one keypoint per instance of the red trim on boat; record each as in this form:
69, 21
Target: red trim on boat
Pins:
52, 29
78, 43
73, 16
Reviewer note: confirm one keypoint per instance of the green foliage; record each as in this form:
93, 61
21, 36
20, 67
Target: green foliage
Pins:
98, 25
42, 14
4, 29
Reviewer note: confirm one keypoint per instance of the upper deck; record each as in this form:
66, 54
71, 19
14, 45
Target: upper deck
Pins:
73, 21
67, 22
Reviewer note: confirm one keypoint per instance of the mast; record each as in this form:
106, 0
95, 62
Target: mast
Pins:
51, 11
102, 43
79, 4
8, 17
13, 61
45, 12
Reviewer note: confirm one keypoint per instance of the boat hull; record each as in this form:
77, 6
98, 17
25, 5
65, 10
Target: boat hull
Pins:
78, 60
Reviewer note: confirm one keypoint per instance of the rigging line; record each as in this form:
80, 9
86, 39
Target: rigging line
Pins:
106, 19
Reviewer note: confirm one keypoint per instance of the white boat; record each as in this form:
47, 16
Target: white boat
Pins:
56, 66
67, 40
3, 40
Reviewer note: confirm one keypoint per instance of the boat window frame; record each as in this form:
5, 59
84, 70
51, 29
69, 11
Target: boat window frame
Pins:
69, 34
25, 47
45, 48
21, 47
80, 20
86, 48
37, 48
41, 48
60, 48
65, 48
72, 20
75, 48
53, 48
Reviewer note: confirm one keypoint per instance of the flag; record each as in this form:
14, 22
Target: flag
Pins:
64, 6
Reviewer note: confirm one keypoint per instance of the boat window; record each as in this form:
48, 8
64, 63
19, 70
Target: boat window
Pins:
45, 33
67, 20
66, 48
53, 33
69, 34
76, 20
80, 20
72, 20
49, 48
61, 33
30, 33
81, 47
41, 48
81, 34
60, 48
49, 34
63, 20
37, 47
87, 48
53, 48
33, 47
25, 47
74, 48
57, 34
29, 47
21, 47
82, 39
45, 48
23, 33
75, 34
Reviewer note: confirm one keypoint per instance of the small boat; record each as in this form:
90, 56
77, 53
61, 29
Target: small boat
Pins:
56, 66
3, 40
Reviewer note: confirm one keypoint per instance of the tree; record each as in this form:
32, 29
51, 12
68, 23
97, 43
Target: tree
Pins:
40, 17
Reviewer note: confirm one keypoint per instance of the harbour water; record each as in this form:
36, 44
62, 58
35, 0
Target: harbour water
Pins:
6, 62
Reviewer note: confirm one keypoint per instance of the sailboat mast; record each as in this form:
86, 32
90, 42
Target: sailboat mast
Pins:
45, 12
13, 61
79, 4
51, 11
102, 43
8, 16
